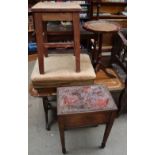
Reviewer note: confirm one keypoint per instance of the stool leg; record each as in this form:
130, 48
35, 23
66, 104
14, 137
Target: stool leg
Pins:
39, 38
76, 30
108, 129
45, 38
62, 136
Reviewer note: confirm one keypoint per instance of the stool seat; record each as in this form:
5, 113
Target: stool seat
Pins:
56, 7
83, 99
60, 68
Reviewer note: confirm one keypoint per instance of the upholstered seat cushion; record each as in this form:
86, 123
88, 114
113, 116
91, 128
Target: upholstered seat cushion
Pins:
60, 68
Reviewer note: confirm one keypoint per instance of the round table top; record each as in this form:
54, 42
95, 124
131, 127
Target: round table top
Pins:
101, 26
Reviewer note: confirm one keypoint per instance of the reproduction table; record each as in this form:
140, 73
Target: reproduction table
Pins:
99, 27
56, 11
82, 106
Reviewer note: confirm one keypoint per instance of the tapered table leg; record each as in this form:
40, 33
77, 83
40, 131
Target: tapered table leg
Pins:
108, 129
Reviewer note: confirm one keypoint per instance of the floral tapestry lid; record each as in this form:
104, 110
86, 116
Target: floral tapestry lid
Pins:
82, 99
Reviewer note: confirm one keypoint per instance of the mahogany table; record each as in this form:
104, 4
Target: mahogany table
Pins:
82, 106
56, 11
100, 27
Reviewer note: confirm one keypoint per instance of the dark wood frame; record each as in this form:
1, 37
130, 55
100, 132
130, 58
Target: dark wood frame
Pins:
69, 121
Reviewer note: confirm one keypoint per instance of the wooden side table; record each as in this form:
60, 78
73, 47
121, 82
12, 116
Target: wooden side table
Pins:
100, 27
56, 11
85, 106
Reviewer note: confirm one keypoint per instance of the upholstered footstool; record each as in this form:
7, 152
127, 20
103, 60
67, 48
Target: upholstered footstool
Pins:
82, 106
59, 71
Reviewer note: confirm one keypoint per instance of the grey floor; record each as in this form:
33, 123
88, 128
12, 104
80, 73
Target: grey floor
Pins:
78, 141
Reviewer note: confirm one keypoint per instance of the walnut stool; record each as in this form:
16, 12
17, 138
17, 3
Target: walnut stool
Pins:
82, 106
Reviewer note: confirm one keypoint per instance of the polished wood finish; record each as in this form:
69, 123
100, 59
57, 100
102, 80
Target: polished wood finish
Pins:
47, 11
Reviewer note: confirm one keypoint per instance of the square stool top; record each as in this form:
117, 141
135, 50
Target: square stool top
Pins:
83, 99
50, 6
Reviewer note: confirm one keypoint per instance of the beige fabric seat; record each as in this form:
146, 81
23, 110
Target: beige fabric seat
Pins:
60, 71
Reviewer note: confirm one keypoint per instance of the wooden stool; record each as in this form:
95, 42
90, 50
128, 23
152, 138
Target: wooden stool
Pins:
85, 106
56, 11
100, 27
